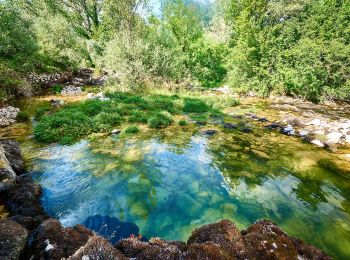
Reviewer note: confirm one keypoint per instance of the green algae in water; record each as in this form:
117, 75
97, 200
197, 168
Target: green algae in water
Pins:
169, 183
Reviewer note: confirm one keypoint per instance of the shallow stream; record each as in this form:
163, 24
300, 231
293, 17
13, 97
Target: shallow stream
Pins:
165, 183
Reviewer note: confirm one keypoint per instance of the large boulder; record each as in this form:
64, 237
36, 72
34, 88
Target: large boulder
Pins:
23, 202
13, 239
52, 241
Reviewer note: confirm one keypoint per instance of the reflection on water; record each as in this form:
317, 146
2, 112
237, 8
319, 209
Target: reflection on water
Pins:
168, 184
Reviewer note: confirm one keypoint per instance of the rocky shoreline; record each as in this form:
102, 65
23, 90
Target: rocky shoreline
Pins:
29, 233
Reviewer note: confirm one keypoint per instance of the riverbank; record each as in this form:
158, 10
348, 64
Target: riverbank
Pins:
28, 233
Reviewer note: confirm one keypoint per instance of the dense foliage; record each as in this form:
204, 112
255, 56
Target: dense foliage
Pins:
291, 47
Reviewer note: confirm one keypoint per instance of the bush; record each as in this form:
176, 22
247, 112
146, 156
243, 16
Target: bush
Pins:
161, 119
195, 106
133, 129
23, 117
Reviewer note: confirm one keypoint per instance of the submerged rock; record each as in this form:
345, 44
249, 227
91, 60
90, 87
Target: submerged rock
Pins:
209, 132
229, 126
13, 238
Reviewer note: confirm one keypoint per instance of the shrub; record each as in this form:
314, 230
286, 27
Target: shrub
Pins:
133, 129
23, 117
195, 106
161, 119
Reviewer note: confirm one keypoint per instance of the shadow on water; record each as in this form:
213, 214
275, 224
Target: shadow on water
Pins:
112, 228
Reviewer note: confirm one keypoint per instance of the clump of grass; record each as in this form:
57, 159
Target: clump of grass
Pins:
133, 129
23, 117
160, 120
57, 89
195, 106
183, 123
138, 117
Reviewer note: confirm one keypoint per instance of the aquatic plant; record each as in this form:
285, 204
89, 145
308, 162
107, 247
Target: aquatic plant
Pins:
133, 129
195, 106
161, 119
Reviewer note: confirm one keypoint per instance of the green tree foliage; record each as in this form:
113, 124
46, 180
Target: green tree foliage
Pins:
294, 47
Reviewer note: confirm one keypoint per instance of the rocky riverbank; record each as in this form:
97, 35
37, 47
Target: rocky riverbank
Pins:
28, 233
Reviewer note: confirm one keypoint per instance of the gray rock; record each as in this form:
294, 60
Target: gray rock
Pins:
57, 102
8, 115
71, 90
13, 238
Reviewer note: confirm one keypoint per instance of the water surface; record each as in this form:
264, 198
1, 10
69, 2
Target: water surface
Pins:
167, 183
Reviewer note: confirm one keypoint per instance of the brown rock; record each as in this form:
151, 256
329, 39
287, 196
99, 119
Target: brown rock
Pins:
97, 248
12, 239
52, 241
224, 233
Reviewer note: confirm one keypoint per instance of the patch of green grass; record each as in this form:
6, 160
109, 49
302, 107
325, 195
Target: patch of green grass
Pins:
133, 129
183, 123
72, 122
23, 117
42, 110
57, 89
195, 106
160, 120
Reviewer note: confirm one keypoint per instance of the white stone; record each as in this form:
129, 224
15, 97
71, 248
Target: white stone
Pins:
317, 142
303, 132
315, 122
115, 131
347, 139
334, 137
48, 245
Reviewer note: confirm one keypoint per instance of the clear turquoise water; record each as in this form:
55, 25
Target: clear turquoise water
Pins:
168, 184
